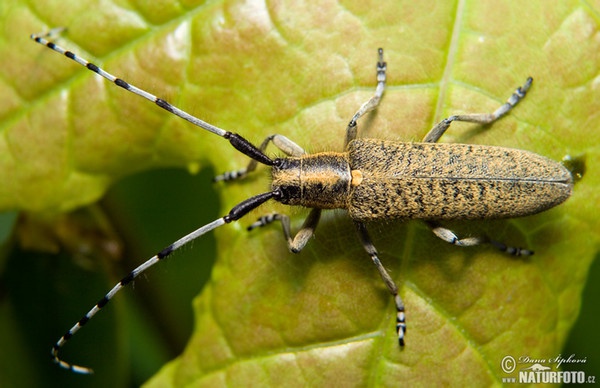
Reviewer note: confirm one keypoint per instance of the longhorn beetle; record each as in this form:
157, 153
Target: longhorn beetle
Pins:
373, 180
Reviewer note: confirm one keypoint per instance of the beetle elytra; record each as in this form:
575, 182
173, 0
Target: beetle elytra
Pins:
373, 180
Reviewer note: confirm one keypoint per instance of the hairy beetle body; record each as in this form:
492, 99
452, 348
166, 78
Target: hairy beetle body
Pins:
378, 179
452, 181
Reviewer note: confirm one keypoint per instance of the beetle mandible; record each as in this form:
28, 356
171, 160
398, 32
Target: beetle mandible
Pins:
373, 180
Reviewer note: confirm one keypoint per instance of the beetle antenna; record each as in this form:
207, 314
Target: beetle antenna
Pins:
234, 214
237, 141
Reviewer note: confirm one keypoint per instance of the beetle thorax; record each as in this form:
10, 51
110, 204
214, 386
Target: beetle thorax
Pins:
318, 181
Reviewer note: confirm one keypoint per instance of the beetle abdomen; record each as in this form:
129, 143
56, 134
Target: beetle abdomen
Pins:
452, 181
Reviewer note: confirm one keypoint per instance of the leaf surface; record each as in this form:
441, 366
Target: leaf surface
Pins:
323, 316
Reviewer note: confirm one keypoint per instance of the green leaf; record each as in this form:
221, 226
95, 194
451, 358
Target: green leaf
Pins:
322, 317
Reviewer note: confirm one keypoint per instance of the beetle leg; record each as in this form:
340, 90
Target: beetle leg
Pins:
299, 241
371, 104
480, 118
449, 236
387, 279
283, 143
